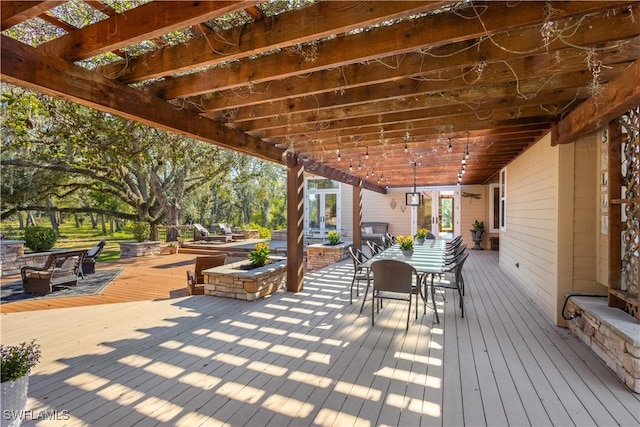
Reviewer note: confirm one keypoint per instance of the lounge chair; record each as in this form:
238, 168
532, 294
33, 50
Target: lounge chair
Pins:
202, 234
226, 230
195, 280
89, 261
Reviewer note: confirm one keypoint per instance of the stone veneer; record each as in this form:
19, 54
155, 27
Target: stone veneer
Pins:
13, 258
611, 333
134, 249
321, 255
230, 282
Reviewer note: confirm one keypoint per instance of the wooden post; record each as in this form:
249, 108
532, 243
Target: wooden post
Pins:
357, 217
295, 226
614, 149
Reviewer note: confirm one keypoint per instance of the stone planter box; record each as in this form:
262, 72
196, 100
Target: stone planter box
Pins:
134, 249
278, 234
613, 335
230, 282
251, 234
13, 258
321, 255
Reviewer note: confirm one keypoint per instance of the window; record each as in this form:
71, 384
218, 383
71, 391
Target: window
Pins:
503, 199
494, 208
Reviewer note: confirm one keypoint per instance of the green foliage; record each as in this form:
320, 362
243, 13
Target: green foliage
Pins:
260, 255
478, 225
39, 239
265, 233
17, 360
334, 237
141, 231
421, 233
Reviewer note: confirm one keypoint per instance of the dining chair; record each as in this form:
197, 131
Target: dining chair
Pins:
456, 283
374, 248
359, 273
393, 279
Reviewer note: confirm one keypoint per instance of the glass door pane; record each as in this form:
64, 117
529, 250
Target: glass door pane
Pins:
445, 214
313, 216
330, 218
425, 214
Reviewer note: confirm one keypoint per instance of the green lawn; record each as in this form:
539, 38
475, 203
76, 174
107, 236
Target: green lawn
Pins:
72, 237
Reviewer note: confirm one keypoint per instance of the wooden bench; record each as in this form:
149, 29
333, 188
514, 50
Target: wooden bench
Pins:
61, 268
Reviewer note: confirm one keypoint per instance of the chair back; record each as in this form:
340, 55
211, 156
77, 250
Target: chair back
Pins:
95, 251
458, 271
431, 236
357, 256
392, 275
205, 262
374, 247
225, 228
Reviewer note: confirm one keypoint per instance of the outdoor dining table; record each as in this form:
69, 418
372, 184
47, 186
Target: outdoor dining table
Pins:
427, 258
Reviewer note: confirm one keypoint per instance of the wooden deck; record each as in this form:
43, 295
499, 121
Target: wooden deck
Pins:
311, 359
143, 279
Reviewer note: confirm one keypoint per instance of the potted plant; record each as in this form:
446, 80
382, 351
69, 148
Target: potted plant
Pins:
477, 232
406, 245
259, 256
16, 363
421, 234
333, 237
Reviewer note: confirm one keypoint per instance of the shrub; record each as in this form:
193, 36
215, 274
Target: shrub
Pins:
334, 237
39, 239
17, 360
260, 256
265, 233
141, 231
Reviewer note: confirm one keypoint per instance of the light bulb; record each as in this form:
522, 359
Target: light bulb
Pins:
450, 147
366, 154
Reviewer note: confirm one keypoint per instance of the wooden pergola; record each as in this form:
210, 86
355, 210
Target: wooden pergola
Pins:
355, 91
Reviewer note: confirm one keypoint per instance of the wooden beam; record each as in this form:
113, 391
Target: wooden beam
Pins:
402, 38
295, 227
617, 97
136, 25
303, 25
14, 12
319, 168
26, 66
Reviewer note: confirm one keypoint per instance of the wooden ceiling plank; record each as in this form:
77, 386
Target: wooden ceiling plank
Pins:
281, 31
402, 38
15, 12
617, 97
29, 67
136, 25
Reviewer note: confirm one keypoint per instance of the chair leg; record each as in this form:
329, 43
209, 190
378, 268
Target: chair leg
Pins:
373, 307
409, 312
433, 300
351, 291
366, 291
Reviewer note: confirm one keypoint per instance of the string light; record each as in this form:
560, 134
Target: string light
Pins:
366, 154
449, 147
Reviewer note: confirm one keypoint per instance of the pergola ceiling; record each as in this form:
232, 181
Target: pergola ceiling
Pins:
357, 90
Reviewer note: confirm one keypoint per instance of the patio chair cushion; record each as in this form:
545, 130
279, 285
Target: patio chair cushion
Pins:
203, 231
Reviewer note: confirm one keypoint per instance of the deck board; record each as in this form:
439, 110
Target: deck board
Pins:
311, 358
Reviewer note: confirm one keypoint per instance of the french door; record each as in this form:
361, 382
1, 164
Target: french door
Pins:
322, 212
439, 213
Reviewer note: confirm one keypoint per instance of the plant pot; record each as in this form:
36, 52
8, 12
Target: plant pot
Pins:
14, 401
408, 253
476, 236
420, 240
